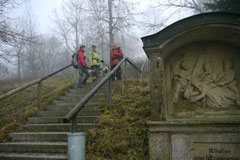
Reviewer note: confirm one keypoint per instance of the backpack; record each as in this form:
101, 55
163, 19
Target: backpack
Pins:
74, 60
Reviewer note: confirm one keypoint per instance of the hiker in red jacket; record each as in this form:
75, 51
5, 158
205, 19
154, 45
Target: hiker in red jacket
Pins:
82, 66
116, 55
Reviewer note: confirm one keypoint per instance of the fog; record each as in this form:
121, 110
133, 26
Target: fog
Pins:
54, 29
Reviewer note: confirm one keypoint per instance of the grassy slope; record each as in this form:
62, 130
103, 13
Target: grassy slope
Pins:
121, 133
15, 109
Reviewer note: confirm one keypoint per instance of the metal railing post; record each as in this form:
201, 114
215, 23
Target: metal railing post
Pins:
125, 73
110, 90
75, 77
74, 124
39, 94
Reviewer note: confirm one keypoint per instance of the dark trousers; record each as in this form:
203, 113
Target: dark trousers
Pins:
82, 70
117, 73
96, 70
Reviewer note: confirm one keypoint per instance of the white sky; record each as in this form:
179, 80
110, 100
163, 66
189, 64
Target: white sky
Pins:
43, 10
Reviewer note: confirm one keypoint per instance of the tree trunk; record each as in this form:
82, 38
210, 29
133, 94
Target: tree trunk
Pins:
19, 65
110, 24
102, 46
77, 38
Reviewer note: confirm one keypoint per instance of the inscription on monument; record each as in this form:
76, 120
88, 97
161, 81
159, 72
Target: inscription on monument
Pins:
216, 151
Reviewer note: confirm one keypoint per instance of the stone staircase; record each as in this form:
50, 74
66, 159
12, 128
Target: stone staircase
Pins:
46, 135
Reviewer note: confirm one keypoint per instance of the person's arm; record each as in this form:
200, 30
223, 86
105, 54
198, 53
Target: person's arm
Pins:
118, 53
120, 50
202, 91
90, 59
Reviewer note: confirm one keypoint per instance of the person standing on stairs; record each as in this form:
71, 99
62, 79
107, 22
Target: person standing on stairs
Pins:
116, 55
94, 61
82, 66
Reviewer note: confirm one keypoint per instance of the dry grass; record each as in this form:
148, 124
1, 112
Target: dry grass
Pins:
15, 110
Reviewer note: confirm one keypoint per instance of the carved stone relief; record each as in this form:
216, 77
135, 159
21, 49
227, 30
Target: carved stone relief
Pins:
212, 90
203, 77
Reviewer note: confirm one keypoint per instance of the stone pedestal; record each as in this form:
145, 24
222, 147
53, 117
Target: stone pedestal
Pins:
194, 140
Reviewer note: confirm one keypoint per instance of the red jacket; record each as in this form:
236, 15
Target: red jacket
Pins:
115, 55
81, 58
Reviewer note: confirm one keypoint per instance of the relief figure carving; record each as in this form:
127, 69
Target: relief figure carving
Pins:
227, 79
198, 82
182, 78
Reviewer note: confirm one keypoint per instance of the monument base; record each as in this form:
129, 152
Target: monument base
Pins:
194, 140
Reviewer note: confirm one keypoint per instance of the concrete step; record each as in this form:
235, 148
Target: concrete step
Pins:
40, 136
96, 98
39, 147
62, 104
68, 108
81, 95
84, 112
87, 90
57, 127
92, 85
45, 120
32, 156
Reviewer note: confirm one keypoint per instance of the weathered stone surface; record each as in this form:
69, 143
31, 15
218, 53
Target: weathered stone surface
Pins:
205, 146
203, 81
159, 146
196, 91
174, 140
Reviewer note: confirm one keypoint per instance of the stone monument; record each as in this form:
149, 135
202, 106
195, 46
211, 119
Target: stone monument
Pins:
195, 89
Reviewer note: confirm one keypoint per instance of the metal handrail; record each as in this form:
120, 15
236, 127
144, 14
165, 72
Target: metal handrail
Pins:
143, 66
36, 81
72, 115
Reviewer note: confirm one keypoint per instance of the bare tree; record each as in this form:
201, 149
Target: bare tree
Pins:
52, 55
111, 20
7, 33
18, 48
70, 23
163, 13
195, 5
30, 57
